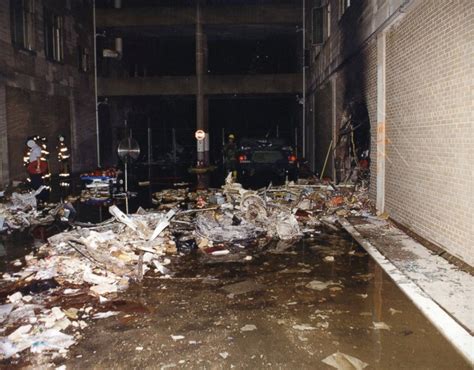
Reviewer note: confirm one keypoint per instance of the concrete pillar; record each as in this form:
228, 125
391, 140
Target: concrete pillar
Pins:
334, 124
73, 127
117, 117
381, 124
202, 105
4, 170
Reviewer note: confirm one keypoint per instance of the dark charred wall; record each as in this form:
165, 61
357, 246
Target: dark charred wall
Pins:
323, 112
356, 95
41, 94
345, 58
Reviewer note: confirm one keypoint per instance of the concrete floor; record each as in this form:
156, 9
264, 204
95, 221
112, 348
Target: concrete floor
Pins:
195, 305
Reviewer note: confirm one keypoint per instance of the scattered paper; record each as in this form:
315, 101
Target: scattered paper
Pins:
380, 326
303, 327
393, 311
177, 337
103, 315
319, 285
341, 361
248, 327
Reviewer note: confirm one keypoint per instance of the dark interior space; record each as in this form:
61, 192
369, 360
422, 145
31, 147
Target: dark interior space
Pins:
149, 56
167, 123
274, 54
159, 56
175, 55
251, 117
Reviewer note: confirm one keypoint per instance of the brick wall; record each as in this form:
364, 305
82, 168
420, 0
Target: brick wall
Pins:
42, 97
32, 112
429, 167
4, 173
429, 109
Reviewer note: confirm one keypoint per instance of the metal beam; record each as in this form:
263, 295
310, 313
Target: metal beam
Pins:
213, 85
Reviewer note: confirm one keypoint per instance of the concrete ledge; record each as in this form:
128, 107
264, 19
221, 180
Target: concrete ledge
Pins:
212, 15
213, 85
377, 236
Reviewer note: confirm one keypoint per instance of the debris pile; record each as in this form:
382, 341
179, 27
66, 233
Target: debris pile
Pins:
80, 270
235, 215
85, 265
21, 212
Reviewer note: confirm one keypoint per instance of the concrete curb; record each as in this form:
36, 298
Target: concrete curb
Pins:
459, 337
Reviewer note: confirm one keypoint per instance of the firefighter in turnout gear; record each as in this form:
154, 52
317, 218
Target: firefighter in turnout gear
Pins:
63, 159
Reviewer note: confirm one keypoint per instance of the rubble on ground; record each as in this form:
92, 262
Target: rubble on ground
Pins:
80, 270
21, 211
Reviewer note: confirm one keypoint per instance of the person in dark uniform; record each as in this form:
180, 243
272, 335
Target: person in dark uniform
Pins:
230, 152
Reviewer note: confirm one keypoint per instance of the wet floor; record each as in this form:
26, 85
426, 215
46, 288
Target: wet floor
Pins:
195, 321
198, 319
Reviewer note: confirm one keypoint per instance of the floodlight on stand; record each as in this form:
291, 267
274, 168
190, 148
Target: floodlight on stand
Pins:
128, 151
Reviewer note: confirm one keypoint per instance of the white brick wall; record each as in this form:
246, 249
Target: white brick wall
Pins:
430, 162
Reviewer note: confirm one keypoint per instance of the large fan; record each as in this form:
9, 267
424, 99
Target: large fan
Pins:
128, 150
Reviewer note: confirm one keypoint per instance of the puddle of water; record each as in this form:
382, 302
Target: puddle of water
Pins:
340, 317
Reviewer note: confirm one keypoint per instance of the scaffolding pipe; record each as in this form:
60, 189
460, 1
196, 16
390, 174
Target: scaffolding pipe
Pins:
326, 161
95, 86
199, 69
304, 81
149, 141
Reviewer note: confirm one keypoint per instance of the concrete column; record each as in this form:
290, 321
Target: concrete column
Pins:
117, 117
334, 124
4, 170
381, 123
75, 151
202, 105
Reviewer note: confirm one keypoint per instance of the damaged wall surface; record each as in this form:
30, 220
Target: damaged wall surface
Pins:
410, 63
46, 90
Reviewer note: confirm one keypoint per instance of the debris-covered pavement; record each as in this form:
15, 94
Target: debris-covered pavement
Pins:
83, 274
20, 211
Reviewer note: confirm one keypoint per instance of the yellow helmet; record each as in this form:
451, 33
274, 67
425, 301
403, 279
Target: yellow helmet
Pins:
231, 136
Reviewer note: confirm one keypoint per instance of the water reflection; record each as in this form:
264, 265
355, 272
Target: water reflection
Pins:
341, 316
